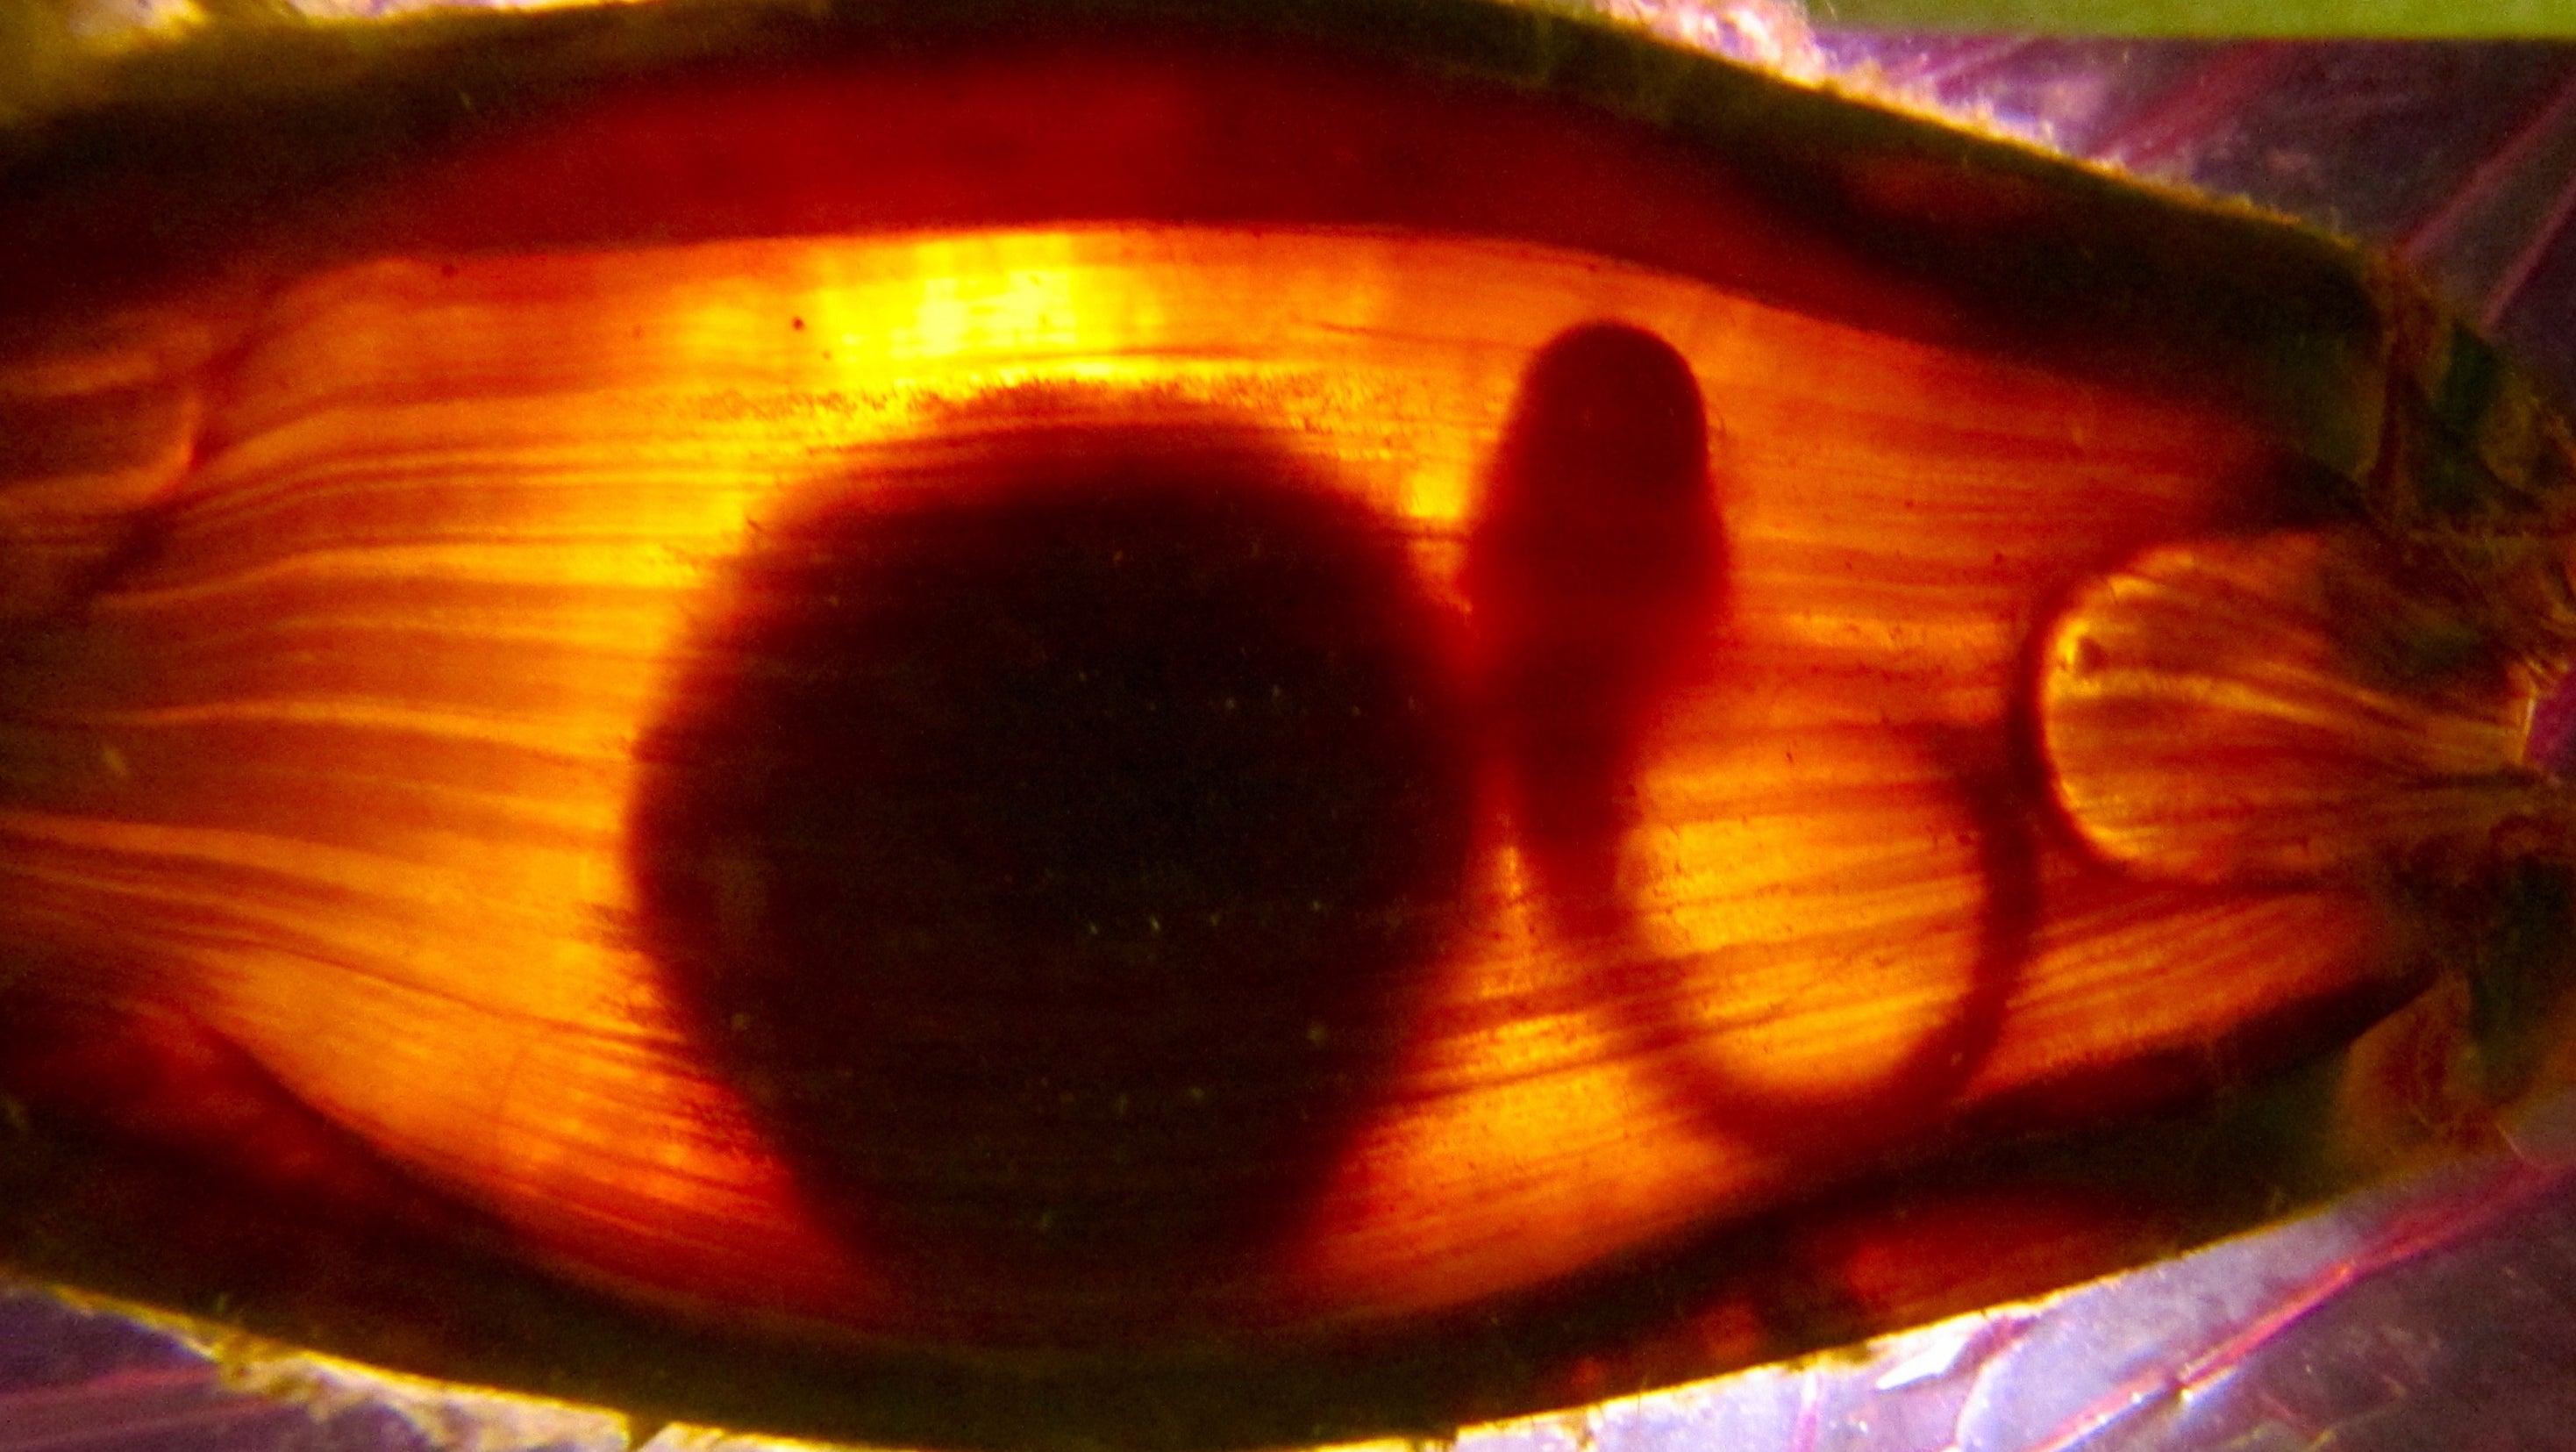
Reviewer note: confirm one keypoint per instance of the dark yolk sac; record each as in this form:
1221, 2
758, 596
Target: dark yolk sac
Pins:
1048, 848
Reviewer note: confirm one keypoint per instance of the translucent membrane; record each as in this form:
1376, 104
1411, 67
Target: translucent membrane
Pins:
346, 763
1082, 748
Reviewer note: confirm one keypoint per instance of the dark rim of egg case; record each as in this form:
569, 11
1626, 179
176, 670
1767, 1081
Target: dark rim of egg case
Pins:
152, 169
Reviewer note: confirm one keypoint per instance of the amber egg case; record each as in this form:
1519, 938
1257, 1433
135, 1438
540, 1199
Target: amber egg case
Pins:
1145, 725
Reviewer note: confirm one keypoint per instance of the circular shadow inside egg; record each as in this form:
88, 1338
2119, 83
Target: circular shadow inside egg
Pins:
1047, 846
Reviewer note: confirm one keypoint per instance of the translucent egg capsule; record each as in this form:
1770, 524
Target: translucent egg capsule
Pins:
1188, 728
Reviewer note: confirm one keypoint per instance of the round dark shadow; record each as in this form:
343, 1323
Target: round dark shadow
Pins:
1046, 848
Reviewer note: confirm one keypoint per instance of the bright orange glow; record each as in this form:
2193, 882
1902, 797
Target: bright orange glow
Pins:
353, 751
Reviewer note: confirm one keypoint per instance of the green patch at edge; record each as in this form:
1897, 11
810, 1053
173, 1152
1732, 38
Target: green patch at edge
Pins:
2385, 19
